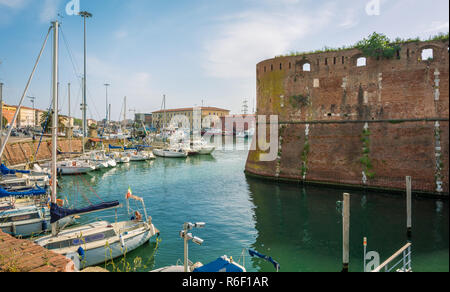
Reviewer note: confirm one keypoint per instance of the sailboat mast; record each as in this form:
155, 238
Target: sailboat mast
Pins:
124, 119
55, 118
70, 121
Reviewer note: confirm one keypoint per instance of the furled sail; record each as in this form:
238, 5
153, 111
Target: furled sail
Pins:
114, 147
57, 213
5, 170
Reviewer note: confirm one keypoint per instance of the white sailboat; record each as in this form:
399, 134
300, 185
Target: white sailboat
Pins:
203, 147
90, 242
170, 153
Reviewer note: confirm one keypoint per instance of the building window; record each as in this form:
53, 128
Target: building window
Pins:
343, 59
307, 67
427, 54
361, 62
326, 61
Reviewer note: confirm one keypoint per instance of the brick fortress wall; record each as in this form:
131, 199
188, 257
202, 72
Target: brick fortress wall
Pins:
371, 125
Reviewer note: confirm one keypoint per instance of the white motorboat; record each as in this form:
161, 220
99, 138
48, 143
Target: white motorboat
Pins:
74, 167
170, 153
136, 156
99, 159
120, 157
203, 147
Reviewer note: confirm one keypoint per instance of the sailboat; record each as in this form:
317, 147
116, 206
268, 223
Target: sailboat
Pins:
168, 152
23, 208
90, 241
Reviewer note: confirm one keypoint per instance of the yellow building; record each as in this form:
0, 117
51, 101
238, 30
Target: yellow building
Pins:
168, 115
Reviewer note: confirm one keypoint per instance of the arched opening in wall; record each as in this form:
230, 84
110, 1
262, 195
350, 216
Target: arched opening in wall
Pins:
427, 54
281, 66
271, 67
306, 67
361, 62
343, 59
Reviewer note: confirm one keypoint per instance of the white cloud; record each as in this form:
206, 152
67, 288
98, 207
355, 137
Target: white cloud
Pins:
121, 33
49, 10
350, 18
14, 4
438, 26
248, 38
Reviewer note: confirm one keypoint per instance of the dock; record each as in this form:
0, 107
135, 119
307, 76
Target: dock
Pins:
19, 255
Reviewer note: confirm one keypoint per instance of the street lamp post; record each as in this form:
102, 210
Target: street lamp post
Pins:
188, 236
32, 99
107, 109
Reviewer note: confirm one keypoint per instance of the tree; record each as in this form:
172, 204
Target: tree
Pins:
377, 46
47, 122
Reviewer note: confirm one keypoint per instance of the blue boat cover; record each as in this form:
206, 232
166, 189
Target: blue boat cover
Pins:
138, 147
6, 170
114, 147
57, 213
219, 265
32, 192
267, 258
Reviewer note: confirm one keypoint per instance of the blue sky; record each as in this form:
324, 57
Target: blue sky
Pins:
189, 50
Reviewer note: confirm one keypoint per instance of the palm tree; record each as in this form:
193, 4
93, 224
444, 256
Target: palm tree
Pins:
46, 124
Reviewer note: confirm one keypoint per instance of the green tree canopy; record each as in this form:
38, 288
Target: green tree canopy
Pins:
378, 46
46, 125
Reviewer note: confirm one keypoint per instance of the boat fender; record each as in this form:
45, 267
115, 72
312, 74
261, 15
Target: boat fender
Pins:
122, 242
44, 225
13, 229
81, 253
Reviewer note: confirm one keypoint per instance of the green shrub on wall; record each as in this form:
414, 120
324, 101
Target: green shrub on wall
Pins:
378, 46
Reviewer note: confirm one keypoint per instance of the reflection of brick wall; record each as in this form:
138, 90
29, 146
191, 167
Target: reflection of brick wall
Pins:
399, 99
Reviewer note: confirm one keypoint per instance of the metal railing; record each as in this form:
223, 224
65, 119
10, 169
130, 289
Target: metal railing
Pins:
403, 265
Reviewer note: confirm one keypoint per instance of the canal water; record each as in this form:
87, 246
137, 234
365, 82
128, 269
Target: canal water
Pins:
299, 227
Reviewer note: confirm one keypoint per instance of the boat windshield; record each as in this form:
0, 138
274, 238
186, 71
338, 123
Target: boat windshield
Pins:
81, 240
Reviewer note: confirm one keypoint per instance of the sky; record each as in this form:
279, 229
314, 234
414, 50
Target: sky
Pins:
196, 52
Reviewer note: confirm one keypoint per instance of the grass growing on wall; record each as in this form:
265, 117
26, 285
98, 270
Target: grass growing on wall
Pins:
365, 159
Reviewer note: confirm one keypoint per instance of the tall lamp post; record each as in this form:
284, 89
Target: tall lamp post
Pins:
107, 107
32, 99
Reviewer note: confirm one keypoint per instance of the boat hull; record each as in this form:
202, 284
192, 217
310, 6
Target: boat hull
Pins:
74, 170
169, 154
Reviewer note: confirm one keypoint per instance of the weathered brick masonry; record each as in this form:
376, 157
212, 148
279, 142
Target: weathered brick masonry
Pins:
403, 103
21, 152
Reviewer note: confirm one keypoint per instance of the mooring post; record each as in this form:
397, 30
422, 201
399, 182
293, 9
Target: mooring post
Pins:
346, 232
365, 253
408, 207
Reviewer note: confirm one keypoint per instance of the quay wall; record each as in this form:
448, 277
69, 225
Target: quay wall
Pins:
22, 152
18, 255
363, 126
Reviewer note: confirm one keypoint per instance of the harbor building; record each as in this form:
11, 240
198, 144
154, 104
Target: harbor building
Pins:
158, 116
